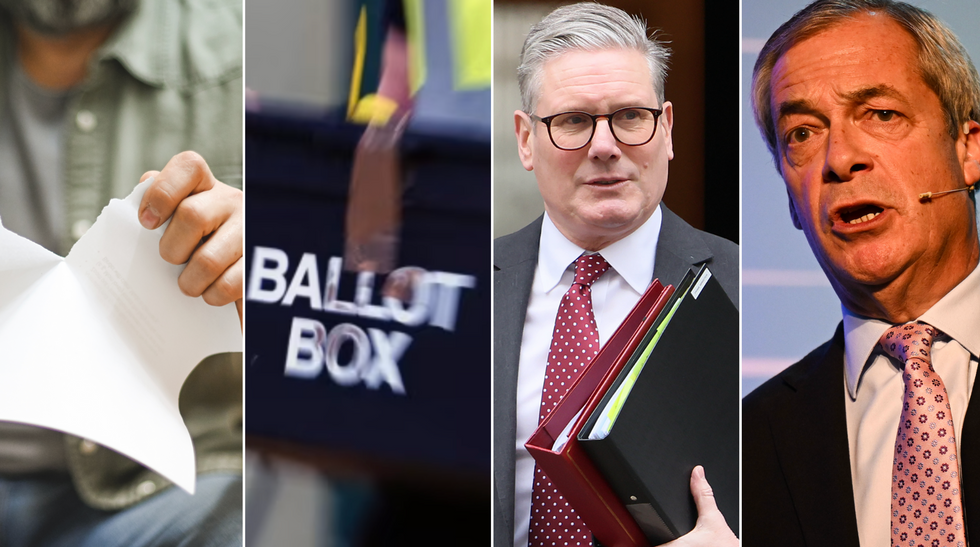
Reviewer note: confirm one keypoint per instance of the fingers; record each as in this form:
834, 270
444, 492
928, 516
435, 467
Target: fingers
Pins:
206, 233
704, 497
205, 230
185, 174
215, 269
210, 214
711, 523
227, 287
711, 529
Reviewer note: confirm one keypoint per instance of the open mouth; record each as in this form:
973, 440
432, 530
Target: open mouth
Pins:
860, 214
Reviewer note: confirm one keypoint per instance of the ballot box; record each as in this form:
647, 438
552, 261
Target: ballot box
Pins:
331, 362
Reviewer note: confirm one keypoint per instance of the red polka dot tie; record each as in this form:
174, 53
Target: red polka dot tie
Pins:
926, 506
574, 342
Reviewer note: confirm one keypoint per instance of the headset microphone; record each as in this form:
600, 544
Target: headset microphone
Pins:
929, 195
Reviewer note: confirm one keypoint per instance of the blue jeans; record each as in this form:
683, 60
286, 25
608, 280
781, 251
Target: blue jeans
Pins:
44, 510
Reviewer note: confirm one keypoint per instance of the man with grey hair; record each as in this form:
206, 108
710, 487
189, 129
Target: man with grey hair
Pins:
871, 109
596, 131
95, 95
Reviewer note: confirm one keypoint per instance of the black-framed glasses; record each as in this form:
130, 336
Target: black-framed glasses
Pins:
632, 126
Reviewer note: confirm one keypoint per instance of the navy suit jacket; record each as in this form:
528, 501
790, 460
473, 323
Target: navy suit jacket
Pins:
796, 470
515, 256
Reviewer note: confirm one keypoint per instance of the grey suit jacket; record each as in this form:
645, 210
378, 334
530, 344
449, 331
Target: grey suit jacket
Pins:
515, 257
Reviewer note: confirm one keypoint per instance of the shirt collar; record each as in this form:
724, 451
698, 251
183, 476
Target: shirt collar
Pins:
150, 50
957, 314
632, 257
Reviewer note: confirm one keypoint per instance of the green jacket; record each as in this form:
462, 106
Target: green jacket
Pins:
168, 80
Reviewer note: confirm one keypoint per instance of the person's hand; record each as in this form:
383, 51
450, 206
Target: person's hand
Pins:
206, 230
711, 529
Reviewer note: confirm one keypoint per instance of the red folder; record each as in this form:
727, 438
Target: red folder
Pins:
569, 468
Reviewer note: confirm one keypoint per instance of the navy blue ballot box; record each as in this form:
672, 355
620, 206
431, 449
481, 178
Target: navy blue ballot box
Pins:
332, 362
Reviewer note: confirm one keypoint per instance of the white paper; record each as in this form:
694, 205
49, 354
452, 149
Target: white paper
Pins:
98, 344
562, 439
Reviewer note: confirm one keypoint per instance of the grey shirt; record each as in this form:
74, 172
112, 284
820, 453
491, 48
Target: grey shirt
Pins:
169, 79
32, 159
32, 205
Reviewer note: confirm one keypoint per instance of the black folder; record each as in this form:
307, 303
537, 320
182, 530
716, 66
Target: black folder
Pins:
682, 411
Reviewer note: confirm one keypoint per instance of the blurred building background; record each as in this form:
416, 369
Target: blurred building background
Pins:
788, 306
299, 53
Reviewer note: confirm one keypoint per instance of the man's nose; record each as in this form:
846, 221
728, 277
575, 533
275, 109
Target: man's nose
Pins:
604, 145
846, 155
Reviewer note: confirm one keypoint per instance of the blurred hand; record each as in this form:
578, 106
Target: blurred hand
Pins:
205, 232
374, 200
711, 529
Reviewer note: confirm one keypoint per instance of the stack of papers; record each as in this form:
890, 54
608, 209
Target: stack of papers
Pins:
98, 344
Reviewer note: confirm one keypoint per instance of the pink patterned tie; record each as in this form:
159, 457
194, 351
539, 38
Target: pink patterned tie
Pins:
574, 343
926, 506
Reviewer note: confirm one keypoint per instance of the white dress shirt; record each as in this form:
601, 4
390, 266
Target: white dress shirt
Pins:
614, 294
873, 396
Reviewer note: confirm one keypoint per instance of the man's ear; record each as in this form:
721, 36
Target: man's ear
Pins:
792, 212
667, 121
522, 130
970, 155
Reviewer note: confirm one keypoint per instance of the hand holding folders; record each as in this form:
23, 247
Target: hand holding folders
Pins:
711, 529
659, 399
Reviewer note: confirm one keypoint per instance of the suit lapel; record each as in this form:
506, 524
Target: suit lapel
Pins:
678, 248
515, 258
815, 461
970, 456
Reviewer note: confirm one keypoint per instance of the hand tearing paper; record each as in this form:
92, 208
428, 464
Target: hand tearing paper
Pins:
98, 344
